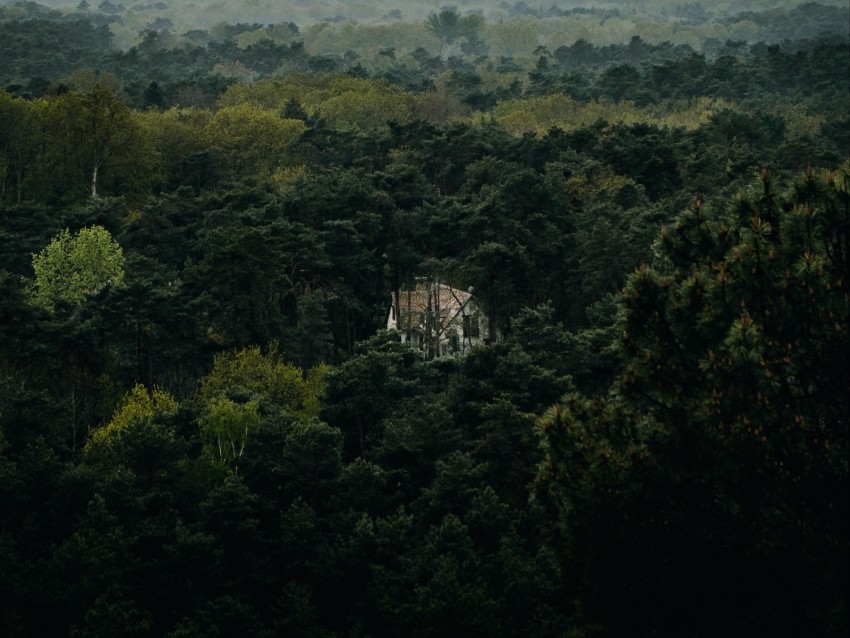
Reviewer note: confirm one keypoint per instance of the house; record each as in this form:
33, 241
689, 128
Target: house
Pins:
438, 319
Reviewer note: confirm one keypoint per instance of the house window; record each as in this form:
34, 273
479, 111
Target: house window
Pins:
470, 326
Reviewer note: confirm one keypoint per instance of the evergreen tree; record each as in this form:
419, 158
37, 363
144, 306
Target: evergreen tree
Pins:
707, 494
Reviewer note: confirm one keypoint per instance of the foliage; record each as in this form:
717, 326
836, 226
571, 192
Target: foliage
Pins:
349, 103
718, 453
539, 115
248, 137
250, 375
269, 184
139, 406
226, 426
74, 267
95, 140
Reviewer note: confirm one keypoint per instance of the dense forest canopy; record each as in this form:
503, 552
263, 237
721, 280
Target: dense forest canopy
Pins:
206, 209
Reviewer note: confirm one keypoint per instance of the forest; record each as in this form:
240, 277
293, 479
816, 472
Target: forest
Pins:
206, 427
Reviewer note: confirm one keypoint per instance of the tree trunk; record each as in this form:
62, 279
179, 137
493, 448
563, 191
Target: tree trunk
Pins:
94, 180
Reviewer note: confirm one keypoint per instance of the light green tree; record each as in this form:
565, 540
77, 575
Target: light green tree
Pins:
75, 266
226, 426
244, 388
364, 105
261, 376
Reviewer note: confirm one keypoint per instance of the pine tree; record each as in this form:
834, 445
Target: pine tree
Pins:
707, 494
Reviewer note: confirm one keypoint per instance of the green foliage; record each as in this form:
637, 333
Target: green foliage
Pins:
95, 143
251, 138
349, 103
226, 427
715, 454
74, 267
239, 282
111, 610
531, 154
366, 108
450, 26
139, 406
361, 392
312, 461
19, 119
540, 114
252, 376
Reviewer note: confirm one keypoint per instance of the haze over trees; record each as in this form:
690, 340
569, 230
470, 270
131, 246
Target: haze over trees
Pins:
205, 209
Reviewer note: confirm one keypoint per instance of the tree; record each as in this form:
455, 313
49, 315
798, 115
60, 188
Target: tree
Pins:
91, 134
180, 140
313, 342
139, 405
17, 142
450, 27
364, 105
712, 476
250, 375
249, 393
239, 283
226, 427
364, 390
74, 267
111, 609
251, 139
619, 82
445, 25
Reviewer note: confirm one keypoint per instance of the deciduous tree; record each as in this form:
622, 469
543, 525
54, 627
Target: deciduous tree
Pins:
75, 266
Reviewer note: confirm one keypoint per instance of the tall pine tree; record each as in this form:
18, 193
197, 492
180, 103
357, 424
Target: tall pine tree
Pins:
707, 493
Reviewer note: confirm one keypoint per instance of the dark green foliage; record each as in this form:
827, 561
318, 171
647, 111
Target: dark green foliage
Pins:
699, 493
364, 390
237, 284
646, 153
711, 478
30, 48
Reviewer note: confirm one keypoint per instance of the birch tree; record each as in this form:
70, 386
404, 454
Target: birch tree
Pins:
226, 427
92, 133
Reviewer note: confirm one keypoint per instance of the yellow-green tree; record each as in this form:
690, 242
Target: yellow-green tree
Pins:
253, 375
345, 102
246, 386
252, 139
226, 426
365, 106
138, 406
